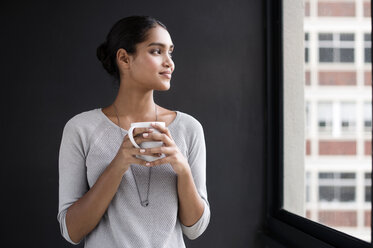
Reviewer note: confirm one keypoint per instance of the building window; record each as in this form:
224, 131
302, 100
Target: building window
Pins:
336, 48
368, 117
325, 117
337, 187
348, 117
368, 187
306, 47
367, 48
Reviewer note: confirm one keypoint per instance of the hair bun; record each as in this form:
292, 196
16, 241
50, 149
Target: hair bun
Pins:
101, 51
103, 56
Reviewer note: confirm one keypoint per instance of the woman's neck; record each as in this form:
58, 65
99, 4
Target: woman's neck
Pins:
135, 103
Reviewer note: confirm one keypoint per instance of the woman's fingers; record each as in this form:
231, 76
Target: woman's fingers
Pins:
139, 138
158, 137
147, 151
152, 151
138, 131
139, 161
162, 129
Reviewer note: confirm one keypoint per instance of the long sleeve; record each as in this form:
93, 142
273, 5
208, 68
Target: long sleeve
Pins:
197, 162
72, 173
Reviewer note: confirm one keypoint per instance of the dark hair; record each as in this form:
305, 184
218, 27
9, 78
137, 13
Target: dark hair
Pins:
126, 33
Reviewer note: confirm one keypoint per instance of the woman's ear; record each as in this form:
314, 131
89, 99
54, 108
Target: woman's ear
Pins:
123, 58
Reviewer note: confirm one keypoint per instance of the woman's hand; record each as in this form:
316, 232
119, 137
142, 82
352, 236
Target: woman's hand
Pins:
172, 153
126, 153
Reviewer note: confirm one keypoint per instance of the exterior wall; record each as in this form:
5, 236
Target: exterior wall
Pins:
336, 9
341, 148
337, 78
368, 147
338, 218
367, 9
367, 78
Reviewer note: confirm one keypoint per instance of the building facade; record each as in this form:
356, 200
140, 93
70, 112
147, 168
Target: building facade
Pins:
338, 114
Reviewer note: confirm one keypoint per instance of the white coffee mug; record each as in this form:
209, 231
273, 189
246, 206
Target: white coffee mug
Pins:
147, 144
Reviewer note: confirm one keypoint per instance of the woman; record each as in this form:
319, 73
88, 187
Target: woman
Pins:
107, 195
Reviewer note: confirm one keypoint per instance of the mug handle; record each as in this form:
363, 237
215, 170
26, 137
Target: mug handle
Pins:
130, 135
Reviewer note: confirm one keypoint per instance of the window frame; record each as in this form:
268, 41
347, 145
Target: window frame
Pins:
282, 226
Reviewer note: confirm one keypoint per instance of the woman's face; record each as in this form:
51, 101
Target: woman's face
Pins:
152, 65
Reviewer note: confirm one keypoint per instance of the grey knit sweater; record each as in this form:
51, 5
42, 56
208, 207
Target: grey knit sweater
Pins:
90, 141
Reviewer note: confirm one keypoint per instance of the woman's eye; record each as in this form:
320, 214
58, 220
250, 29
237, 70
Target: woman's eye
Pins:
156, 51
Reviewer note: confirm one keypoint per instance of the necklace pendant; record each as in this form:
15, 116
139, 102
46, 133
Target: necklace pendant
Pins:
145, 203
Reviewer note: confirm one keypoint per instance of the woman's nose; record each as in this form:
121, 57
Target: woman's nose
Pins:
168, 62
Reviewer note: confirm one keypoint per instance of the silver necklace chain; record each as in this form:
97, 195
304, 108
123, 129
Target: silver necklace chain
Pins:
145, 202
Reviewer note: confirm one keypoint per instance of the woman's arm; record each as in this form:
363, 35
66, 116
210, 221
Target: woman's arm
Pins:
194, 209
190, 203
83, 216
81, 208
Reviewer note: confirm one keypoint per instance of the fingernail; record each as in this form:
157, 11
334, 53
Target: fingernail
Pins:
151, 129
145, 135
147, 164
142, 150
153, 123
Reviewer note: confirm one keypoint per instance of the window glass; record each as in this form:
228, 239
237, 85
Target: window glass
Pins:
306, 55
368, 116
336, 47
348, 117
368, 187
327, 117
367, 48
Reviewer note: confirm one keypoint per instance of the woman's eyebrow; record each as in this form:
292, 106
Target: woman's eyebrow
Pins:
159, 44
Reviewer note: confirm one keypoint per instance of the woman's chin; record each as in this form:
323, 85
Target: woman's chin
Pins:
165, 86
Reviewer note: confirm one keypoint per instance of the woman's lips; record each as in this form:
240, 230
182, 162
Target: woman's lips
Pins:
166, 74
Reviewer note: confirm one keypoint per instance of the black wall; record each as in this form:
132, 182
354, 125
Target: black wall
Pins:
50, 73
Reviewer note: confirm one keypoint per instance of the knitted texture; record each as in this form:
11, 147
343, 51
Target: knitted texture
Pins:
89, 143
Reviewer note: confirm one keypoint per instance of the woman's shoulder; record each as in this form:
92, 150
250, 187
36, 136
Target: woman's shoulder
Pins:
84, 116
177, 116
186, 122
85, 119
190, 128
189, 119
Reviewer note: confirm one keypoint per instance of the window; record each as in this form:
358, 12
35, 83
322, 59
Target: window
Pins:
319, 198
368, 116
306, 47
336, 187
367, 48
348, 117
368, 187
336, 48
325, 117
